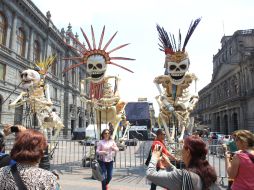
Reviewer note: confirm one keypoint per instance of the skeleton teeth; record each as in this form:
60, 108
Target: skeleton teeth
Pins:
177, 74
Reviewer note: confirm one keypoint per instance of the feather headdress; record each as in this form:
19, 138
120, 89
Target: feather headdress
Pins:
168, 43
43, 66
93, 50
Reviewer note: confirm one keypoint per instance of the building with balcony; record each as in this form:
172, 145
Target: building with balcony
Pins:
227, 102
26, 36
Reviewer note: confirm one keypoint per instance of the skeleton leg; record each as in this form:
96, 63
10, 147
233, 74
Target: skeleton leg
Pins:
180, 139
166, 128
115, 123
40, 118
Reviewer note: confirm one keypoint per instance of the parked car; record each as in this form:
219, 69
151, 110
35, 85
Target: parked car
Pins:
88, 142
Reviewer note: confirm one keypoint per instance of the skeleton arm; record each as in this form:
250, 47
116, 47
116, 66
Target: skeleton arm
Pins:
159, 80
14, 103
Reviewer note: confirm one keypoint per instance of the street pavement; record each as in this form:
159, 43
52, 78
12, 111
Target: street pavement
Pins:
123, 179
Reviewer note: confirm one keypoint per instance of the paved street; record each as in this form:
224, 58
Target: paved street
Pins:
123, 179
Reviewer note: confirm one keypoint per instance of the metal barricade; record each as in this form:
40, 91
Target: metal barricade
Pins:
67, 154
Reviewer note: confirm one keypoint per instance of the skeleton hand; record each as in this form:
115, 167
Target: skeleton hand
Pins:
7, 129
166, 104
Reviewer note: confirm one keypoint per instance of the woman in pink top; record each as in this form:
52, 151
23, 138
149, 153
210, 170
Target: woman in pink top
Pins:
242, 165
106, 149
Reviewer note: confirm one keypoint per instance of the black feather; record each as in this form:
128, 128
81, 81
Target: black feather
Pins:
190, 32
164, 38
179, 41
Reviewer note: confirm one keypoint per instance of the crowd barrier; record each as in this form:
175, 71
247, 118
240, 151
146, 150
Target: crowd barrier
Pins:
67, 154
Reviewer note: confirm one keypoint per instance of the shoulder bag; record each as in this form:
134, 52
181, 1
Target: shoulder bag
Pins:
20, 184
187, 181
97, 171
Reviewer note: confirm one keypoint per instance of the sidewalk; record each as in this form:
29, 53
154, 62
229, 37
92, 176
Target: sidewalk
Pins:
123, 179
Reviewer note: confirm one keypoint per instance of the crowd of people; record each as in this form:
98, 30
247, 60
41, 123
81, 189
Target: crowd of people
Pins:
21, 167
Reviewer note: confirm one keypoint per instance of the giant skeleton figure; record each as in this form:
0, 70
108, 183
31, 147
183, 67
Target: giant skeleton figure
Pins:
36, 95
106, 101
175, 100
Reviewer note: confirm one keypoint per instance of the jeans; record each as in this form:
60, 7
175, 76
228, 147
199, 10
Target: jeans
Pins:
153, 186
107, 170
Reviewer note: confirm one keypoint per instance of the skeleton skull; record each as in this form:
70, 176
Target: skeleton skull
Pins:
29, 78
177, 71
96, 67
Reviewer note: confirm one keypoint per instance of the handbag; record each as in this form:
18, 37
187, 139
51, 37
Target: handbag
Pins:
97, 171
20, 184
187, 181
148, 158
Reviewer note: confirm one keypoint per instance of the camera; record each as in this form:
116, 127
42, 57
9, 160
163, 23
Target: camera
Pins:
159, 147
14, 129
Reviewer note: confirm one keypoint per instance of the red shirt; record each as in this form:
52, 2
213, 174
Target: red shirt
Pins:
164, 151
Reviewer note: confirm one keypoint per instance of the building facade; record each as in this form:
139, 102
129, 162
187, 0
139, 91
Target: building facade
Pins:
227, 103
26, 36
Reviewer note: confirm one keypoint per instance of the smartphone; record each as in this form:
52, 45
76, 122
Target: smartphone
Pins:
14, 129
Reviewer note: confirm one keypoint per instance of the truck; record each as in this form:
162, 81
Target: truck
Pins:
138, 114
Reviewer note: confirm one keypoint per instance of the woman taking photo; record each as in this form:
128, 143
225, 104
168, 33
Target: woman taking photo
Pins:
240, 167
106, 149
197, 175
27, 151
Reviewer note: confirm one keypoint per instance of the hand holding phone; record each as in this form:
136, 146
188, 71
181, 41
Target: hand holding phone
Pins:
14, 129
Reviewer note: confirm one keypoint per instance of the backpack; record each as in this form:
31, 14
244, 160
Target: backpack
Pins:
4, 160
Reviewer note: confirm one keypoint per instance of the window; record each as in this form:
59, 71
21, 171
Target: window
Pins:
73, 76
3, 29
230, 51
21, 42
54, 93
54, 64
37, 51
2, 71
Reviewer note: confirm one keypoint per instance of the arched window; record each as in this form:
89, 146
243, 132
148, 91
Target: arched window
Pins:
21, 42
3, 29
37, 51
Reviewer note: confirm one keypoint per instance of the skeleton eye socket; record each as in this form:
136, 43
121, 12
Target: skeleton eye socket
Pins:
99, 65
90, 66
172, 67
183, 66
23, 75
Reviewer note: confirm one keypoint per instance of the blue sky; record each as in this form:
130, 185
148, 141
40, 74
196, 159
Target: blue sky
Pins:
135, 21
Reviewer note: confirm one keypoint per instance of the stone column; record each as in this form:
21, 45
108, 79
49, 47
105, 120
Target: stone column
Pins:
13, 33
230, 122
30, 45
8, 35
